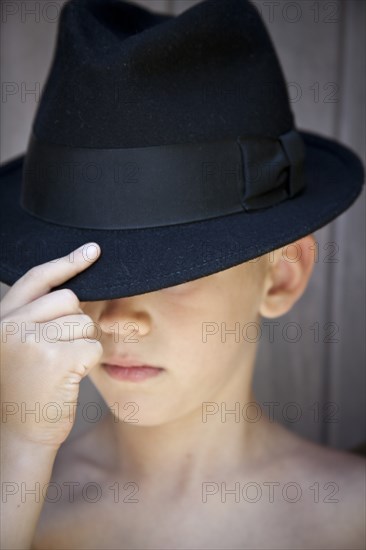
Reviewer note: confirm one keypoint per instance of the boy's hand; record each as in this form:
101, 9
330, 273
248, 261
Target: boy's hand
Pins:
43, 359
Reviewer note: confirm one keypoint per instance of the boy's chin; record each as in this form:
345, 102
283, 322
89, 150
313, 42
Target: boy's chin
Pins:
145, 419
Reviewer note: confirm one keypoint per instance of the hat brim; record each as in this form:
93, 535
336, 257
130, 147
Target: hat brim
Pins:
137, 261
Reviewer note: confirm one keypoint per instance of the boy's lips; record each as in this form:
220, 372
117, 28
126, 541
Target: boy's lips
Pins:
128, 362
130, 369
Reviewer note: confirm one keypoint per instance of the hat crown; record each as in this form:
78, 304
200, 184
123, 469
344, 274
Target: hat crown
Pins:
193, 167
123, 76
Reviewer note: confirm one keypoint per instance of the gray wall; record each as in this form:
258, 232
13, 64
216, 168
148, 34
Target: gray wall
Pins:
315, 386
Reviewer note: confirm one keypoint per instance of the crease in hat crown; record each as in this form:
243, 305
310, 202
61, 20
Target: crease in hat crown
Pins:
124, 76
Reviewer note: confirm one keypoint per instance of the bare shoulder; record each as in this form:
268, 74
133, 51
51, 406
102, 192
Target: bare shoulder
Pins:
318, 458
79, 462
336, 482
344, 467
89, 452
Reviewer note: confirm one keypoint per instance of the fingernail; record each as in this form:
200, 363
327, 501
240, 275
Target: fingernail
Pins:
89, 248
91, 252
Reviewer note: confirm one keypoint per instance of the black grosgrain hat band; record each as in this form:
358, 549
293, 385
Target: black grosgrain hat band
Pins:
135, 188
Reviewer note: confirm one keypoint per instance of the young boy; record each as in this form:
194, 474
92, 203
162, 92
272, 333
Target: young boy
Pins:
160, 470
166, 467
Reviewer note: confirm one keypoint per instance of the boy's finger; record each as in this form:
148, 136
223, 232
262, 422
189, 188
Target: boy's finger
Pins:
42, 278
48, 307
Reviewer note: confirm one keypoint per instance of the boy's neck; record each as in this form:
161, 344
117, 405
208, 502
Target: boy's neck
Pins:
178, 456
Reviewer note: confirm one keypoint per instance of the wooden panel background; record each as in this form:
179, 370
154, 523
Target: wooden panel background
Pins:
314, 386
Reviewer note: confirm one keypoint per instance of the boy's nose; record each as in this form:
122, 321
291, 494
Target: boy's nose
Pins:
124, 321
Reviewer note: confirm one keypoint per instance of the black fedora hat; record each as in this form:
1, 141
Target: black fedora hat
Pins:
134, 147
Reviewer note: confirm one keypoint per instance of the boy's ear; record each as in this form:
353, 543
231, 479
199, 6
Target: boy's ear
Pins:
288, 273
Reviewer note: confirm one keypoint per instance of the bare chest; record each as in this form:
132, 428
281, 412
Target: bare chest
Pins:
292, 507
112, 515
